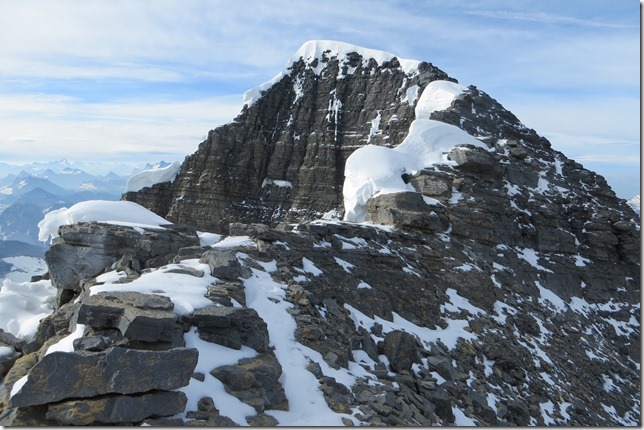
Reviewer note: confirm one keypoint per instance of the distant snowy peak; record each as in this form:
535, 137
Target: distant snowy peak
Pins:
316, 53
635, 203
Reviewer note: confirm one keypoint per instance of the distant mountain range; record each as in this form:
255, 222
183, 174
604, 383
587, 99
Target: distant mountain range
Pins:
28, 192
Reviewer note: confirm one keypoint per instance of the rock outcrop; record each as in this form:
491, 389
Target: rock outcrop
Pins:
501, 287
283, 157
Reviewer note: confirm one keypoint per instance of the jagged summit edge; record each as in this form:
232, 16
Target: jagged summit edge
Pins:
314, 49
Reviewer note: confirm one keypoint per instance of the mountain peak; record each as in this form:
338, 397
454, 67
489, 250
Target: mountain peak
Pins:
478, 272
316, 53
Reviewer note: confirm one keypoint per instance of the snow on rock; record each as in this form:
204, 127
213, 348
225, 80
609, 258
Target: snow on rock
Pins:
635, 203
23, 305
306, 402
314, 50
147, 178
187, 292
437, 96
208, 239
375, 169
211, 356
114, 212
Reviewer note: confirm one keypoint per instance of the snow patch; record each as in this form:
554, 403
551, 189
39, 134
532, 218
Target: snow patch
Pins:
411, 95
375, 169
364, 286
450, 335
148, 178
23, 305
546, 296
344, 264
234, 242
187, 292
211, 356
375, 126
208, 239
309, 267
115, 212
437, 96
277, 183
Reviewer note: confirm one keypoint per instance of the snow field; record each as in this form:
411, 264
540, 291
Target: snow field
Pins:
23, 305
24, 268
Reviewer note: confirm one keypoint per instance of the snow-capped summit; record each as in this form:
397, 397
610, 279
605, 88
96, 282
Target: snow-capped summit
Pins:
316, 53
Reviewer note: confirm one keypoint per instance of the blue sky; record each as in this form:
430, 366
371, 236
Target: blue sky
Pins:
134, 80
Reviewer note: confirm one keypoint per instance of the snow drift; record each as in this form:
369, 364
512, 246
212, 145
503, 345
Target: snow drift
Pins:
119, 212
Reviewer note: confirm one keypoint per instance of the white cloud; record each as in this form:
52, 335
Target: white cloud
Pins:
51, 127
545, 18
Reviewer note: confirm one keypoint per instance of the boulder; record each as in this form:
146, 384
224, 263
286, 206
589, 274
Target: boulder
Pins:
400, 349
476, 160
224, 265
442, 404
82, 374
432, 184
405, 210
146, 318
86, 249
231, 327
255, 381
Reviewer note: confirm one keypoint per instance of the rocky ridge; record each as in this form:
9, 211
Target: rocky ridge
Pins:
503, 288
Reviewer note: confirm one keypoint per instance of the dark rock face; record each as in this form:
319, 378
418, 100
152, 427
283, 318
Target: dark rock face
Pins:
283, 157
84, 250
60, 375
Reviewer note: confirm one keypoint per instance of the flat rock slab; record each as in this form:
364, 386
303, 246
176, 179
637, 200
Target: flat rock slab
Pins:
139, 317
81, 374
